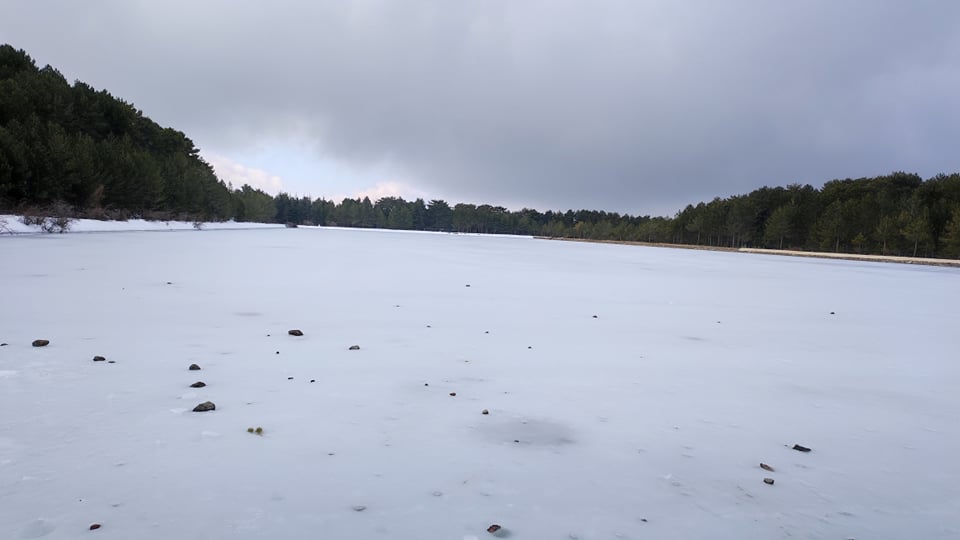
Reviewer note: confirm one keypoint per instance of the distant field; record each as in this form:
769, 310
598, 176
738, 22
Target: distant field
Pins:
629, 393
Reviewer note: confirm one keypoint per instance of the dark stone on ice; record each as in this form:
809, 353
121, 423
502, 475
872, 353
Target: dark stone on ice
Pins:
354, 347
98, 359
295, 332
95, 526
194, 367
198, 384
800, 448
766, 467
493, 528
40, 342
205, 406
484, 412
768, 481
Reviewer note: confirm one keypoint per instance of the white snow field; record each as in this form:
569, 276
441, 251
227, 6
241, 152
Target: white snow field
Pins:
649, 420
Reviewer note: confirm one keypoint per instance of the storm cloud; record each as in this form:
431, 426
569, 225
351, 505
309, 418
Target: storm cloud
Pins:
636, 106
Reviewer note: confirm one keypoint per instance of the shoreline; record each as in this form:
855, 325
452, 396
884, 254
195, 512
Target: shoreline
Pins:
925, 261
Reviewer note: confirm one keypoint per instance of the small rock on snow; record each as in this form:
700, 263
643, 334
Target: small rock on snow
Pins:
95, 526
295, 332
766, 467
768, 481
800, 448
205, 406
453, 393
359, 508
98, 359
40, 342
194, 367
354, 347
198, 384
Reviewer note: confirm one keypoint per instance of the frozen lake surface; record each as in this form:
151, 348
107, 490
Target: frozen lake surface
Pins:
632, 392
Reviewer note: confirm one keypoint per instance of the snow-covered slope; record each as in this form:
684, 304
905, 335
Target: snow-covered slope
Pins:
632, 392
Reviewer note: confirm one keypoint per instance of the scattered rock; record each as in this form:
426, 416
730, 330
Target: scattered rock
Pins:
487, 332
516, 440
428, 326
643, 520
595, 317
766, 467
453, 393
289, 378
768, 481
3, 344
426, 384
359, 508
354, 347
313, 380
833, 313
295, 332
529, 347
169, 283
205, 406
194, 367
198, 384
493, 528
468, 284
40, 342
258, 431
111, 361
278, 352
98, 359
249, 430
484, 412
800, 448
95, 526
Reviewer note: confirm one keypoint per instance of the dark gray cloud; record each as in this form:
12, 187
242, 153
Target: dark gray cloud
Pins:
624, 105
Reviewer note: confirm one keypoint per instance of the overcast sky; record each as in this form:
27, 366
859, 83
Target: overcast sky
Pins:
633, 106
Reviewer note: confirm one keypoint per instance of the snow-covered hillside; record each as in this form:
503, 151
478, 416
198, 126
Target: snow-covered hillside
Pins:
631, 392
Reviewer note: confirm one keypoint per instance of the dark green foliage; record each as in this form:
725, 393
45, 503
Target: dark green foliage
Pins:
94, 152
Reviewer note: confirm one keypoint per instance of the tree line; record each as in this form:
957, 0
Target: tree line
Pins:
76, 148
896, 214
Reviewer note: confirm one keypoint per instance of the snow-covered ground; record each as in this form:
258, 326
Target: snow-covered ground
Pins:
632, 392
10, 224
